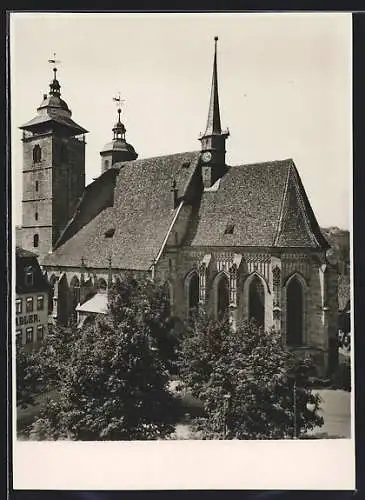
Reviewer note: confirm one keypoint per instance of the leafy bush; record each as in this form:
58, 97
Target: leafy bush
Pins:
246, 382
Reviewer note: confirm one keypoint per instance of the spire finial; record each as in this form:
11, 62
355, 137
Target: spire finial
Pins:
119, 129
55, 86
119, 102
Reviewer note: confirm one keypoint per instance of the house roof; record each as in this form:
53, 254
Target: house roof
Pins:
22, 253
138, 206
98, 304
27, 261
262, 204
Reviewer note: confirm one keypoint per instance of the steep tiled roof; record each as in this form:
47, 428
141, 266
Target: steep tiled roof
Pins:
22, 253
26, 261
137, 220
98, 304
260, 204
60, 120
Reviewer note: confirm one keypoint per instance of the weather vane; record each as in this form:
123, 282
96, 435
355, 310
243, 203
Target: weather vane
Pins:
55, 62
118, 101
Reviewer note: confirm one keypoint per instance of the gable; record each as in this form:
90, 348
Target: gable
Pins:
258, 205
297, 226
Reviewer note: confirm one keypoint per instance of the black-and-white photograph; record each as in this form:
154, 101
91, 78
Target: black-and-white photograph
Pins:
181, 209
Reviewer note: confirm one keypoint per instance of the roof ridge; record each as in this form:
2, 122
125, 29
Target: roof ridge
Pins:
137, 160
264, 163
303, 209
282, 205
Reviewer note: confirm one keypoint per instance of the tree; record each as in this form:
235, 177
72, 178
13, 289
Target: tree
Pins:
53, 355
28, 377
114, 382
247, 382
149, 301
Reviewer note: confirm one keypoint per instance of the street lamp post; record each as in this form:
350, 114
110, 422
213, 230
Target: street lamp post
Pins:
295, 409
226, 401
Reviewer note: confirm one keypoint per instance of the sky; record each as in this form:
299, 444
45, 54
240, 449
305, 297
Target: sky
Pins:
285, 88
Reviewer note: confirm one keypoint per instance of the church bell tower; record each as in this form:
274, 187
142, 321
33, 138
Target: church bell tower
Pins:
213, 141
53, 171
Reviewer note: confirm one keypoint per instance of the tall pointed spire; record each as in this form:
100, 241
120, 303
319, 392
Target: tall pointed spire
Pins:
213, 141
214, 119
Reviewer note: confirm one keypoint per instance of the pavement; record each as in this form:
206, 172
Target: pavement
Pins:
336, 411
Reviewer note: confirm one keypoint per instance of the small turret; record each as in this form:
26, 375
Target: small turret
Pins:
118, 150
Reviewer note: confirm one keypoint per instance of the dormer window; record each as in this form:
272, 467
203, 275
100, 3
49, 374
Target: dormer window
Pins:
37, 154
109, 233
29, 276
229, 229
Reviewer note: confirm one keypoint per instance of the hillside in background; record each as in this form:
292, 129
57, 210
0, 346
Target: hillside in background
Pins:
339, 239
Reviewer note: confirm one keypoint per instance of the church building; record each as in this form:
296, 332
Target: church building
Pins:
236, 240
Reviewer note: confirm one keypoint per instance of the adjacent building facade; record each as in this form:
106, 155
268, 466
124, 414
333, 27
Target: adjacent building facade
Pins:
31, 302
241, 241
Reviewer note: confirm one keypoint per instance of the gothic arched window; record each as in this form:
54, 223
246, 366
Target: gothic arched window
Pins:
36, 240
193, 293
75, 289
222, 297
52, 282
37, 154
102, 284
256, 301
295, 310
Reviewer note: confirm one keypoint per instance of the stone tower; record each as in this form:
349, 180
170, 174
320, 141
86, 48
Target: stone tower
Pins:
213, 141
53, 171
118, 150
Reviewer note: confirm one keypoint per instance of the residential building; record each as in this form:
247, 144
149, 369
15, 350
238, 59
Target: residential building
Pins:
31, 302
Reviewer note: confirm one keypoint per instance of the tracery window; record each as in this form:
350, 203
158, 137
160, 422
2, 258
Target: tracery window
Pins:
222, 297
193, 293
256, 301
295, 310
